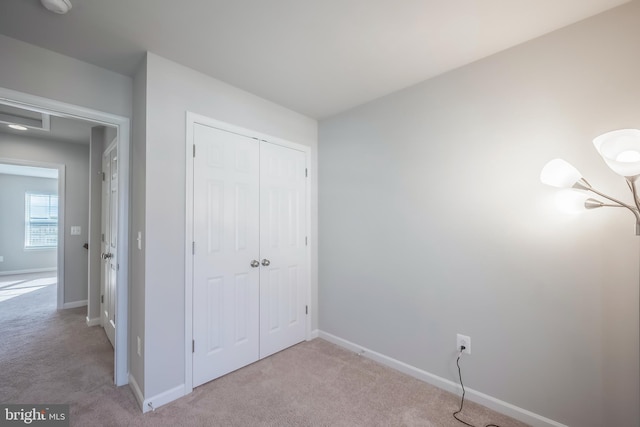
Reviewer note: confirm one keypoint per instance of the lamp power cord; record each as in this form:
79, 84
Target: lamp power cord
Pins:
455, 414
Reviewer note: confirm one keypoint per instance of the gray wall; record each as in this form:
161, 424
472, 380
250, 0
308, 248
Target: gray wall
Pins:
33, 70
138, 212
76, 159
433, 222
171, 90
12, 221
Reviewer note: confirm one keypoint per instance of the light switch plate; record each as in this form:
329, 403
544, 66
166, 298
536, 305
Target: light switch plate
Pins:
76, 230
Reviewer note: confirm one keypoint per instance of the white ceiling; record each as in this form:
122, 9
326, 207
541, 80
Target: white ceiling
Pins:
317, 57
61, 129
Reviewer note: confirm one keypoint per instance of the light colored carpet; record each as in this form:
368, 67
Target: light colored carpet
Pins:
52, 357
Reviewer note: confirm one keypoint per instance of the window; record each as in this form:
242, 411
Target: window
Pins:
41, 221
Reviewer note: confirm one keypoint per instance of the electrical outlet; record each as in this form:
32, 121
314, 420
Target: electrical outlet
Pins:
1, 258
463, 340
139, 347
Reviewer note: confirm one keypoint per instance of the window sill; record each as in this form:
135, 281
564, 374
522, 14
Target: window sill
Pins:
41, 249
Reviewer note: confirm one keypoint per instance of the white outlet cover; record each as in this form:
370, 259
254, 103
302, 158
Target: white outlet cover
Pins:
463, 340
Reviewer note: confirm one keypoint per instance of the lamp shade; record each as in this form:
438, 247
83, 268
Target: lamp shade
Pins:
559, 173
620, 150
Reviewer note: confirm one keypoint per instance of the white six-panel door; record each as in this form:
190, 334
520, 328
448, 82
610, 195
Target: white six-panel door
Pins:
109, 242
282, 248
226, 235
249, 261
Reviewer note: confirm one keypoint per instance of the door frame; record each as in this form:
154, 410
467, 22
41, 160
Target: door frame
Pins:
123, 126
61, 200
191, 120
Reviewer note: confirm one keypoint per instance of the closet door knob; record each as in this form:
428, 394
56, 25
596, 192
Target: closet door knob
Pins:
255, 263
266, 262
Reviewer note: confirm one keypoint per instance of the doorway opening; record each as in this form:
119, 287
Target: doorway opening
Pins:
67, 233
31, 223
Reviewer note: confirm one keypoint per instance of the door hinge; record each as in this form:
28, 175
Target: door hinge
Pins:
194, 150
306, 309
193, 346
103, 176
101, 299
103, 237
193, 248
306, 241
306, 172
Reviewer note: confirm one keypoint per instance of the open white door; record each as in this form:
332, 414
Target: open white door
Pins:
108, 282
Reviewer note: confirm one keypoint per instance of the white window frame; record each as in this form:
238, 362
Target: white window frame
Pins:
30, 223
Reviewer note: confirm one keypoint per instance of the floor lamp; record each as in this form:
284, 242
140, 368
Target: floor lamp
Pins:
620, 150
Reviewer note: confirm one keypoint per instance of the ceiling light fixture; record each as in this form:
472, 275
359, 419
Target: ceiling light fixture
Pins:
620, 150
17, 127
57, 6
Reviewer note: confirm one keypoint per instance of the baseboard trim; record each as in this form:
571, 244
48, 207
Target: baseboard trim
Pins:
93, 322
32, 270
313, 335
136, 390
74, 304
163, 398
490, 402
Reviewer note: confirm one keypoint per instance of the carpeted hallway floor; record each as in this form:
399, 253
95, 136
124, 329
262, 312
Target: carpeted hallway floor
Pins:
53, 357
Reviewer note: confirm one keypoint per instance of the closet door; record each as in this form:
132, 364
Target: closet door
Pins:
283, 254
226, 270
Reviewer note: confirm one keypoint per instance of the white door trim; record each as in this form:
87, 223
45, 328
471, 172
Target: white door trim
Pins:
191, 119
61, 200
63, 109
